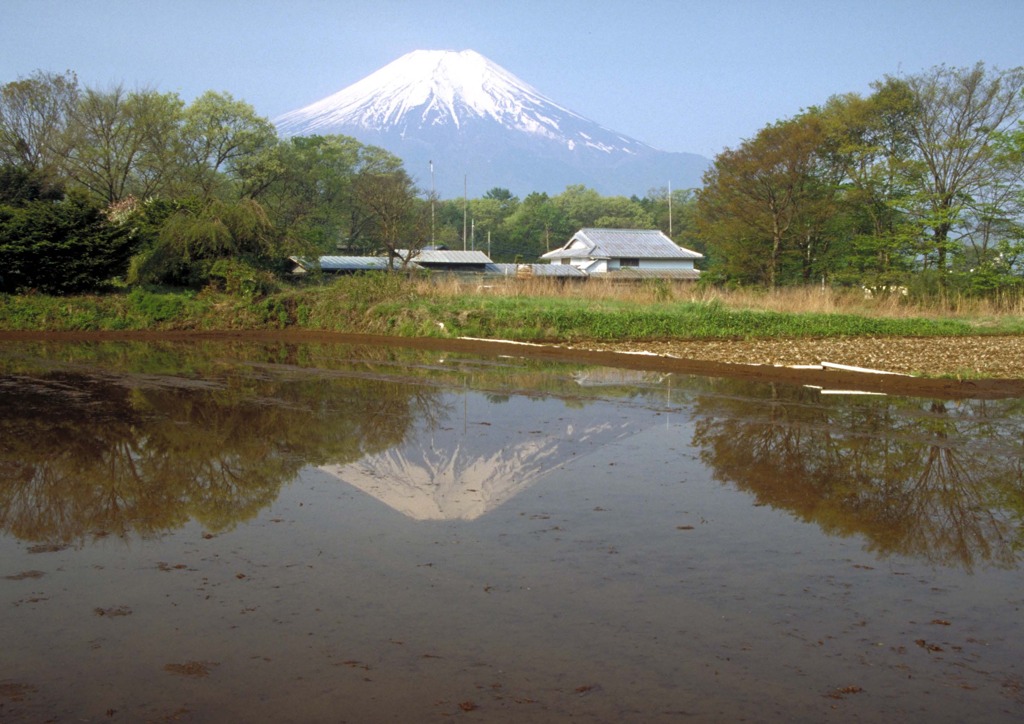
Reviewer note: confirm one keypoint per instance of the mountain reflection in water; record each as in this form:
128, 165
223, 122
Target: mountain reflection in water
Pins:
137, 439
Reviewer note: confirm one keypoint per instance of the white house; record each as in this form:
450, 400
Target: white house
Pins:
626, 253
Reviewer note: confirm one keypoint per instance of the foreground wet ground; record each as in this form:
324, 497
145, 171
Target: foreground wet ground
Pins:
322, 532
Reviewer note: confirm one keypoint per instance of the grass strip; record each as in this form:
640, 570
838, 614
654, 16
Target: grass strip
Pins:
389, 305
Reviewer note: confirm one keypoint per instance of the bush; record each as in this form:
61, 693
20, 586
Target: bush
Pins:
241, 279
61, 247
156, 307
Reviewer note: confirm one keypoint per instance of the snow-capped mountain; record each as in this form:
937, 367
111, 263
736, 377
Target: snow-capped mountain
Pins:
480, 125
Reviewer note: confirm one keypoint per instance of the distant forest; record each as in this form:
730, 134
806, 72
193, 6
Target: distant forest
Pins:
919, 183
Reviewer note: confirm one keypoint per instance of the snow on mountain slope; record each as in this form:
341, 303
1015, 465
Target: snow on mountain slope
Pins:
430, 88
468, 114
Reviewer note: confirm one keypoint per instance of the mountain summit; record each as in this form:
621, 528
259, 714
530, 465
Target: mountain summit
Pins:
472, 119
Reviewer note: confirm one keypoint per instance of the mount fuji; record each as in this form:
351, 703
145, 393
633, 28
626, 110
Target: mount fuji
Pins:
462, 123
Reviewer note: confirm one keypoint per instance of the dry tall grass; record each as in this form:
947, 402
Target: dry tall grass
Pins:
809, 299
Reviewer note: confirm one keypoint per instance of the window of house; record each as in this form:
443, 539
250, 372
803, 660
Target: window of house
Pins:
629, 262
566, 261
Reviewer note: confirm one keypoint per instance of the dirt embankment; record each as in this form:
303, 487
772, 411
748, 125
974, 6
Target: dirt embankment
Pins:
947, 367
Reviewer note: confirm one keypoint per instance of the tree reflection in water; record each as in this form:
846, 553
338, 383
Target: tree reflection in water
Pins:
939, 480
83, 454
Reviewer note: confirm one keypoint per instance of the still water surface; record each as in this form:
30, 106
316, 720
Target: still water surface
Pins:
216, 531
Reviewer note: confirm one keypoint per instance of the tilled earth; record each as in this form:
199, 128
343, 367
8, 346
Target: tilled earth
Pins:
999, 357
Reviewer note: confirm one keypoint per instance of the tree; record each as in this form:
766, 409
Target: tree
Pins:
487, 217
669, 212
866, 143
125, 143
229, 240
619, 212
386, 198
535, 227
34, 116
582, 206
19, 186
764, 200
223, 140
307, 188
957, 115
993, 221
62, 246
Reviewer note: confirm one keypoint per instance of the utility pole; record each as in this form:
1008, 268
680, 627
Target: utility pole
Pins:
432, 197
465, 210
670, 209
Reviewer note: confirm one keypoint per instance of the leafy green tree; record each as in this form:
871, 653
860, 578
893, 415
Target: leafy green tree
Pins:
670, 212
867, 144
487, 217
581, 206
765, 200
538, 225
993, 238
619, 212
309, 190
223, 141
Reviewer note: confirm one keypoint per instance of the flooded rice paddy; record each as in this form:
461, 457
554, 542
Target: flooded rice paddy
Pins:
279, 531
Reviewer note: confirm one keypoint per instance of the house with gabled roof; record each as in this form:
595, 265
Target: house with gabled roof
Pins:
627, 254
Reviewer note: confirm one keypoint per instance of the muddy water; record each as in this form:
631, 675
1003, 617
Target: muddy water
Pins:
231, 531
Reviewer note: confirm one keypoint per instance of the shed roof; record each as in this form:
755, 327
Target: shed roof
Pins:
622, 243
448, 256
343, 263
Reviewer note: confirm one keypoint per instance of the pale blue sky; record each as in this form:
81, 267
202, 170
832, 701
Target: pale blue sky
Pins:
681, 76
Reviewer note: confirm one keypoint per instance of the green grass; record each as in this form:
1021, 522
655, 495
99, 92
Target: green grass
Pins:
384, 304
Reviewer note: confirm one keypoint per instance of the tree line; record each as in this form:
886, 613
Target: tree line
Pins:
136, 185
921, 180
139, 187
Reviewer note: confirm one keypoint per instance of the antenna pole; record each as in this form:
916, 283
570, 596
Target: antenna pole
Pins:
465, 207
432, 197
